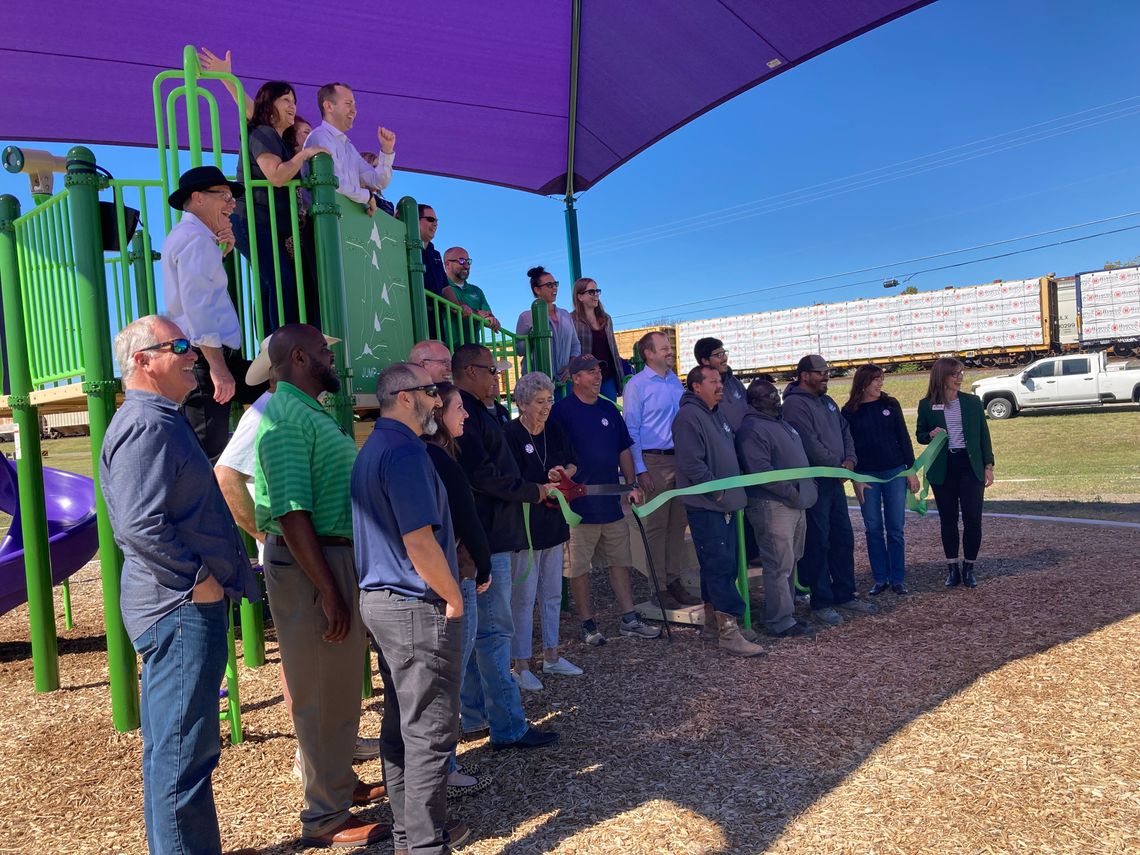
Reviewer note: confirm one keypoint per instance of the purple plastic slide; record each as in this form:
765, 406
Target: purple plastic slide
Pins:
73, 538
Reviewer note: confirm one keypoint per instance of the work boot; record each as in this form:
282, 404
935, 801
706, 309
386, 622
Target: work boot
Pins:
682, 596
968, 574
709, 631
954, 577
732, 641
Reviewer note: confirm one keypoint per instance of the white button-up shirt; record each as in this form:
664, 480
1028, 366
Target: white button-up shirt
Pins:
195, 288
352, 171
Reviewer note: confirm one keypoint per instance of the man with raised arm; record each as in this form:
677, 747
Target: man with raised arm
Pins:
182, 557
195, 290
303, 466
357, 178
650, 401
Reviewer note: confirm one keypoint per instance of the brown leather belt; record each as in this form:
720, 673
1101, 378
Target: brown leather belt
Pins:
323, 540
657, 451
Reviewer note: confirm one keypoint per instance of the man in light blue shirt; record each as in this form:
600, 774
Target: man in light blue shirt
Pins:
649, 403
355, 176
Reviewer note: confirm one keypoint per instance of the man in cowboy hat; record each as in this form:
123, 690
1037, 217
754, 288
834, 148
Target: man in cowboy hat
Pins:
196, 291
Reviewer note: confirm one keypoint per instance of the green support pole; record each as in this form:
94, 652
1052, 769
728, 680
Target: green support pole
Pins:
573, 250
140, 264
540, 338
29, 464
742, 570
83, 184
330, 279
409, 212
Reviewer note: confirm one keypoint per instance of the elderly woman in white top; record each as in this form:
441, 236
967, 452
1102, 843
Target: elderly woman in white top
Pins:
564, 342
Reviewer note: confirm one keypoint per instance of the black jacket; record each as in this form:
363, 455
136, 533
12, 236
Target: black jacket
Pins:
494, 475
464, 515
552, 448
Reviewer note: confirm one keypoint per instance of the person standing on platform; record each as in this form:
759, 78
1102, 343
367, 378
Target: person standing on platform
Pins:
828, 564
649, 404
595, 330
705, 452
563, 338
195, 289
182, 559
472, 301
303, 465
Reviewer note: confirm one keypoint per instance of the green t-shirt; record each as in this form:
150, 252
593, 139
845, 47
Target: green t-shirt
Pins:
302, 462
471, 296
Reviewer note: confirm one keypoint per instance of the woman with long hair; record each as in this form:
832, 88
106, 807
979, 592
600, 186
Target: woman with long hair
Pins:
471, 543
963, 469
595, 330
884, 450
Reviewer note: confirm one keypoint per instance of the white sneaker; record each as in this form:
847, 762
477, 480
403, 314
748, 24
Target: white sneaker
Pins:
528, 681
366, 749
562, 667
297, 771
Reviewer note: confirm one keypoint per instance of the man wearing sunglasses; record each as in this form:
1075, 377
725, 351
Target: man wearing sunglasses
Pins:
196, 292
302, 471
182, 557
490, 695
457, 263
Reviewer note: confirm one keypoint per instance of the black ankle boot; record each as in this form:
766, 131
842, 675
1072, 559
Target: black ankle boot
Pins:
954, 577
968, 574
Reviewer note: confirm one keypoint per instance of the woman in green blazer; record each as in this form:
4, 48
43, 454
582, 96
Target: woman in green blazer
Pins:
963, 469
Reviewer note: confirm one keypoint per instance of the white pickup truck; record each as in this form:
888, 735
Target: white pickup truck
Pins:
1085, 379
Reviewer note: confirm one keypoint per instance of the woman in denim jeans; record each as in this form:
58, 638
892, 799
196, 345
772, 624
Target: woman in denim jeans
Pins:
883, 447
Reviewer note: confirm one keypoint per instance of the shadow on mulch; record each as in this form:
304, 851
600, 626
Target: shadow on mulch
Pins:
14, 651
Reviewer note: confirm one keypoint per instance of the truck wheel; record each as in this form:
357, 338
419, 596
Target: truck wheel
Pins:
1000, 408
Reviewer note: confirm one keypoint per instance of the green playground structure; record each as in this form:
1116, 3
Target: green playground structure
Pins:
77, 268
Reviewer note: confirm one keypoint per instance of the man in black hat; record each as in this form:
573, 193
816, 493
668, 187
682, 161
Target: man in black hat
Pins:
196, 291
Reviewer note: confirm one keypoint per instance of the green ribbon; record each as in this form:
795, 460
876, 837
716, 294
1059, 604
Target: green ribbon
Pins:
915, 503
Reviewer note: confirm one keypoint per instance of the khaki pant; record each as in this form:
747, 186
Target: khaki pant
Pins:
665, 527
779, 534
323, 678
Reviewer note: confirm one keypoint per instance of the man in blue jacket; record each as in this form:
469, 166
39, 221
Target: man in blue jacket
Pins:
828, 565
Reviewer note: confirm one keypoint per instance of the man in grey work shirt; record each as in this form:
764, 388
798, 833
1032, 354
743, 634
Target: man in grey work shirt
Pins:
182, 558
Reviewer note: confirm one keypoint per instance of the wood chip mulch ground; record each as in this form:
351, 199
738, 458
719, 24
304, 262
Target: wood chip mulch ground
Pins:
1002, 719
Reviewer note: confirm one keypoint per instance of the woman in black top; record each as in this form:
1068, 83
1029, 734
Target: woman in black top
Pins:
471, 541
272, 160
883, 448
544, 454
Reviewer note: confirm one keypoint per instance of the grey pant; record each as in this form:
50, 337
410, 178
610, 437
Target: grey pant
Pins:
779, 534
420, 666
665, 527
323, 678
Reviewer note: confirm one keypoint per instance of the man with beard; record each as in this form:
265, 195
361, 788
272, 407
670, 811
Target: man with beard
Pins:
412, 605
471, 299
302, 472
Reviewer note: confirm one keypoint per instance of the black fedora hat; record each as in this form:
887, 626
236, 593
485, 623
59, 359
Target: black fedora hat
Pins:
201, 178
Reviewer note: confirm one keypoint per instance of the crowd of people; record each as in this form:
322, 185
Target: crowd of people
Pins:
439, 539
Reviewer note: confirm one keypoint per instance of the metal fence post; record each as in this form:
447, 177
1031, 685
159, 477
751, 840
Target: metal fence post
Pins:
540, 338
84, 183
409, 212
330, 278
29, 465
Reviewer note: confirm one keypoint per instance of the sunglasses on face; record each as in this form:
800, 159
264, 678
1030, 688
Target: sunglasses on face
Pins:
493, 369
462, 262
432, 220
593, 292
428, 388
178, 346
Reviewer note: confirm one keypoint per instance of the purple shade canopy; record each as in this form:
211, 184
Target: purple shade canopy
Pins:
473, 90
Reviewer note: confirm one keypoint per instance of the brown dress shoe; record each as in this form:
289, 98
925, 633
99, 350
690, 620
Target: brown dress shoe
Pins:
354, 832
366, 794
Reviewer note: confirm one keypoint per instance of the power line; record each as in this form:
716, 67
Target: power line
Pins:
900, 263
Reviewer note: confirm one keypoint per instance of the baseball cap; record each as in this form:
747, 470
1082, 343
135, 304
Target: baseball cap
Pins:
585, 362
811, 362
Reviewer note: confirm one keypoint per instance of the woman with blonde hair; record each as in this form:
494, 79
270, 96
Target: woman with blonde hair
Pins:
595, 329
963, 469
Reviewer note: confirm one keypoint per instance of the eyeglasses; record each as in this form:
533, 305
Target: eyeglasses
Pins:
494, 369
462, 262
959, 374
178, 346
429, 388
432, 220
435, 359
226, 195
593, 292
719, 353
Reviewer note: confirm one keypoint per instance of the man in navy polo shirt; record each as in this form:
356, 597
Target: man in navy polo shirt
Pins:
602, 446
411, 604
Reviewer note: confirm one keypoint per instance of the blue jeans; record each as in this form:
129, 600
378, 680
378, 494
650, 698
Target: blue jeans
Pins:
183, 662
490, 694
542, 584
885, 502
467, 640
827, 567
714, 539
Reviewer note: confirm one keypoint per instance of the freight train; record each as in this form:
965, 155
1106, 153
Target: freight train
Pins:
996, 324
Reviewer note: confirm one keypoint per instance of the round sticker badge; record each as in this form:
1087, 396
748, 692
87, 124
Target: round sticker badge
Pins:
528, 448
605, 422
886, 412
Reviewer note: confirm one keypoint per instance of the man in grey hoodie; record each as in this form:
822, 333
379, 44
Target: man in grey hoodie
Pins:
828, 563
766, 442
705, 452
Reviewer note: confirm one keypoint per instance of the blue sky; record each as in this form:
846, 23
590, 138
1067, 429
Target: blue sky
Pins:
964, 123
